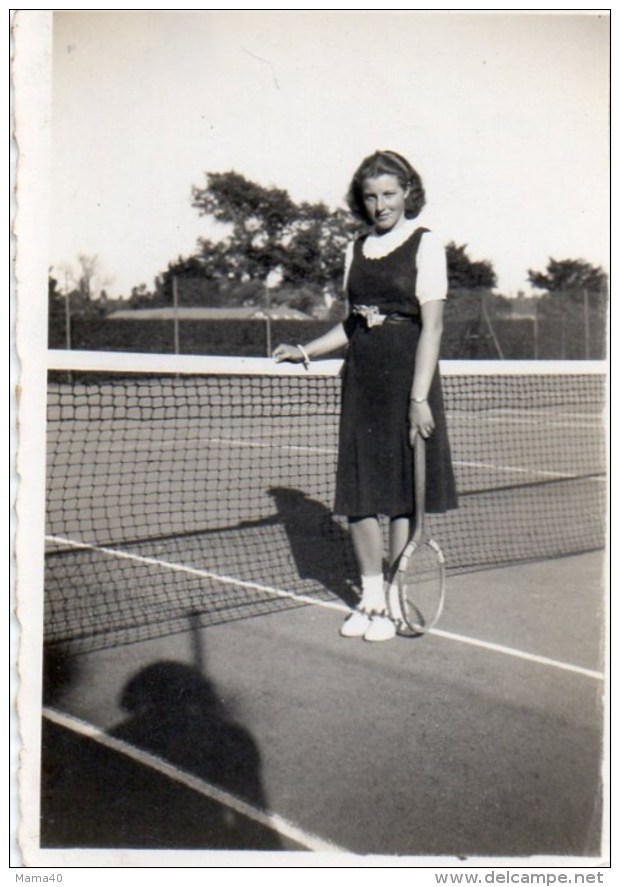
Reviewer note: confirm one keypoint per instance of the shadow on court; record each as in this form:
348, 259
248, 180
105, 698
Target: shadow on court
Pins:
320, 547
95, 796
207, 576
476, 741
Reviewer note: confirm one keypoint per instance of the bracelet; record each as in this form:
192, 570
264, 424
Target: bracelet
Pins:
419, 399
304, 355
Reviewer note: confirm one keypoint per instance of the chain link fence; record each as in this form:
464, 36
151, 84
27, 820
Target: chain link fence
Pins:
477, 326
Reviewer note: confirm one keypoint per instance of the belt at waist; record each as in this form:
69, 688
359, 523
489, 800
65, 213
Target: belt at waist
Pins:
373, 317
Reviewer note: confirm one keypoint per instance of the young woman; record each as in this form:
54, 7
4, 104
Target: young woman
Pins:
396, 283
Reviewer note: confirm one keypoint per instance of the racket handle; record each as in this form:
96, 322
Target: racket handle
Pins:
419, 475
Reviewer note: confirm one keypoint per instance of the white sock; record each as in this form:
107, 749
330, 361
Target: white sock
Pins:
373, 594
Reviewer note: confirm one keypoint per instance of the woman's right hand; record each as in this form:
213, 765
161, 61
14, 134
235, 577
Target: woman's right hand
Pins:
420, 420
288, 353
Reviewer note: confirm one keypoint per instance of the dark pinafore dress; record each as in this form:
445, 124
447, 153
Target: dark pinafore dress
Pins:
375, 458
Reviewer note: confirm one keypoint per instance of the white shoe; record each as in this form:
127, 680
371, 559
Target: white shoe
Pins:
381, 628
355, 625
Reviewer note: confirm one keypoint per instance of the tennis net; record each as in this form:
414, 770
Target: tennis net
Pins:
186, 490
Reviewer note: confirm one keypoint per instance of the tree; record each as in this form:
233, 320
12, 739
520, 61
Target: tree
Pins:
195, 282
573, 277
576, 292
84, 280
260, 219
322, 240
269, 233
66, 306
466, 274
89, 279
53, 292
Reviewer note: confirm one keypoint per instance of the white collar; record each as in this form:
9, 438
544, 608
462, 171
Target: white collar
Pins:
377, 246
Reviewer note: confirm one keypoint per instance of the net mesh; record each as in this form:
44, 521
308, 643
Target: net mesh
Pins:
179, 498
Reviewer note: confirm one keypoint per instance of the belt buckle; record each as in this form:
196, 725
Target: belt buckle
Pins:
371, 315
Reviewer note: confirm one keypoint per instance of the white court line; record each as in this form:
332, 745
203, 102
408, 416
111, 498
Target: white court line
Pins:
327, 605
193, 571
534, 472
269, 445
510, 651
158, 446
581, 421
195, 783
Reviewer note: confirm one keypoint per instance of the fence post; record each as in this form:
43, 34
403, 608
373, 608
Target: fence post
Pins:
175, 310
67, 321
563, 329
490, 328
67, 295
586, 323
268, 319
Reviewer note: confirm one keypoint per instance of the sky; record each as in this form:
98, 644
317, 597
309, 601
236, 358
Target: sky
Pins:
504, 115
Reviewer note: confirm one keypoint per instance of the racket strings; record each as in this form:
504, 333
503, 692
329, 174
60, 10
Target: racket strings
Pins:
421, 586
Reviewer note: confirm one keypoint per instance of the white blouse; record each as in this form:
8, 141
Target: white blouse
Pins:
432, 281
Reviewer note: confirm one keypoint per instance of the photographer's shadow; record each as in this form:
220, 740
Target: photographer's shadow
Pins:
176, 715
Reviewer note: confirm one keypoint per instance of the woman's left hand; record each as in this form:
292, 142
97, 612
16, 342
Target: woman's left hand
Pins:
420, 420
289, 353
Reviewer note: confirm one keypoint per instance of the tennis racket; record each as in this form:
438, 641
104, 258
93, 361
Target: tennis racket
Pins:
418, 588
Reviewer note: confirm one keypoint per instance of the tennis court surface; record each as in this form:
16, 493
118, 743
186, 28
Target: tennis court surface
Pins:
196, 581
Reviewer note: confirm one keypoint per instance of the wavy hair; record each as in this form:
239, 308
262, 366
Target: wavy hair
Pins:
386, 163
